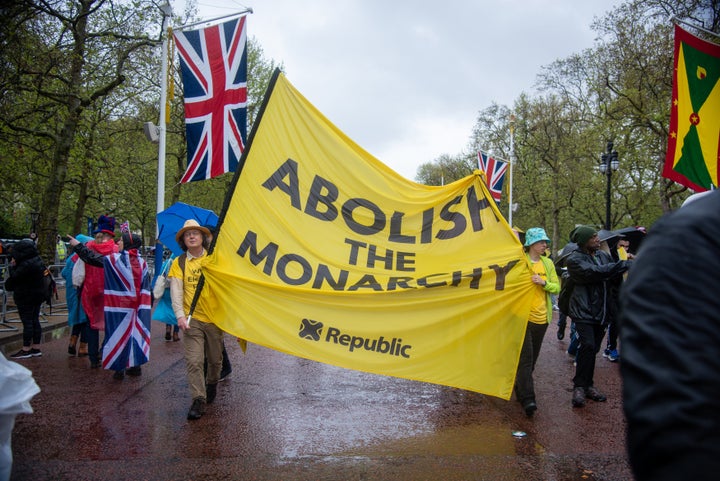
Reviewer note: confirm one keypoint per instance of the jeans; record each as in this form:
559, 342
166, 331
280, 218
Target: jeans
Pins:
591, 337
30, 317
524, 384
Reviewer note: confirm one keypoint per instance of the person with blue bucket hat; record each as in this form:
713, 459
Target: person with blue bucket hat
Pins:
545, 282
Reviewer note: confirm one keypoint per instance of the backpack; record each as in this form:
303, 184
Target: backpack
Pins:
49, 288
566, 290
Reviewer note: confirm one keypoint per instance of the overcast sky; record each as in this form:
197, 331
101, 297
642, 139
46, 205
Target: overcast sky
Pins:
406, 79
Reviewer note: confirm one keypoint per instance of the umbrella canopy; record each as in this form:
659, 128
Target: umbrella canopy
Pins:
171, 220
634, 235
564, 253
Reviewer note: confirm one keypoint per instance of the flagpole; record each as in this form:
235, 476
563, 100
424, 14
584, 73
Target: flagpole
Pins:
162, 131
512, 161
207, 22
675, 19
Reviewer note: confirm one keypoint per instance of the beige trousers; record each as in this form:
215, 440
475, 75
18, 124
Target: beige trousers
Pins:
202, 339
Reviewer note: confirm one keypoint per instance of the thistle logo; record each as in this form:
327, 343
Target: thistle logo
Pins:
310, 329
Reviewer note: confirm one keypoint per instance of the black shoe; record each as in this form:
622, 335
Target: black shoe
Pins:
210, 392
167, 336
197, 409
530, 408
593, 393
119, 375
134, 371
71, 350
561, 334
95, 365
225, 372
21, 355
578, 399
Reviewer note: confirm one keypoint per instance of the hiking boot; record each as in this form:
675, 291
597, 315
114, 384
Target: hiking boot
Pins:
578, 398
83, 351
167, 335
197, 409
210, 392
71, 347
21, 355
175, 336
593, 393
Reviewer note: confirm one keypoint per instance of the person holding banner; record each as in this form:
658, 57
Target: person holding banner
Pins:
201, 338
546, 283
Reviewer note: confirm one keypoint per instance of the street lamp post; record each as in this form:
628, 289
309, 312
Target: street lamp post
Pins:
608, 163
34, 217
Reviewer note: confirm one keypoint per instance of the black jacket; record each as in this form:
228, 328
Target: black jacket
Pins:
595, 280
26, 276
670, 340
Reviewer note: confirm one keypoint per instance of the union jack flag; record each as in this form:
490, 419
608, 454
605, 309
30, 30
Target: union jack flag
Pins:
495, 172
213, 63
127, 311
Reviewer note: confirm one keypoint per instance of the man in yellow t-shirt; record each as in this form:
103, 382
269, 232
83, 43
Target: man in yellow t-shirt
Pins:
202, 339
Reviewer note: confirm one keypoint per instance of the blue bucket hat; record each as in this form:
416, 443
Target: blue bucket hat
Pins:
535, 234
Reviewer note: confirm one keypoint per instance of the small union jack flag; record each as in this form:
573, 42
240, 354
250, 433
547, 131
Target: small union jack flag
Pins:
213, 63
127, 311
495, 172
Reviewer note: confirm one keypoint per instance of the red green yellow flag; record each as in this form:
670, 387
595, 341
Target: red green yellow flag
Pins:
693, 151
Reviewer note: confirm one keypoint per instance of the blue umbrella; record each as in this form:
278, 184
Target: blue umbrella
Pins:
171, 220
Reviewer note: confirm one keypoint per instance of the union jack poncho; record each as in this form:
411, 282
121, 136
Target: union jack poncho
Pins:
127, 311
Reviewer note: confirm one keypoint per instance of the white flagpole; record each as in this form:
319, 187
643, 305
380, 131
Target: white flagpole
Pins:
162, 131
512, 161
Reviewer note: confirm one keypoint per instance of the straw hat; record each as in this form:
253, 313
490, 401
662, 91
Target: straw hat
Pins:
191, 224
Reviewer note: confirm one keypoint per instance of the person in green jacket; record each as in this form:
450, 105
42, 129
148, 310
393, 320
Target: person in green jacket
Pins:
546, 283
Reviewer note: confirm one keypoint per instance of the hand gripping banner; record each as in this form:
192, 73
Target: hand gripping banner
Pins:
323, 252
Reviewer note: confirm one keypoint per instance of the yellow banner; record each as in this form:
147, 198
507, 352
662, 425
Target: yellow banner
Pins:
325, 253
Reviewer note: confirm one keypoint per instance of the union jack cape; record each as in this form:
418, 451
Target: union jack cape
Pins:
127, 311
213, 63
495, 171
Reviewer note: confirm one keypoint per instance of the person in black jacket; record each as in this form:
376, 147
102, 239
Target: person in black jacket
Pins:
591, 306
670, 334
26, 283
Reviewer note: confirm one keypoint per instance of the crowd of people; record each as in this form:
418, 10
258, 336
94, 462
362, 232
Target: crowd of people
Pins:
669, 386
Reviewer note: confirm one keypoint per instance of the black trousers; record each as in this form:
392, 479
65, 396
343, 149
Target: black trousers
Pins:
524, 383
591, 337
30, 317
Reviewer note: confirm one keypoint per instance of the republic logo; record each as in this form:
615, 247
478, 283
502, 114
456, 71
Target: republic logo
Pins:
310, 329
313, 331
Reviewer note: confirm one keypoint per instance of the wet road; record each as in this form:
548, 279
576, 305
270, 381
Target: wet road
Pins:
283, 418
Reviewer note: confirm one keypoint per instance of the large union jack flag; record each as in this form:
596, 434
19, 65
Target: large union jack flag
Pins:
213, 63
495, 171
127, 311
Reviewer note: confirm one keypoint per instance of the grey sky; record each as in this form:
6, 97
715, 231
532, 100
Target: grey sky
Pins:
406, 79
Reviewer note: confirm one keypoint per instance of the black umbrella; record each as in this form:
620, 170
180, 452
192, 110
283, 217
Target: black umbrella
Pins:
565, 253
634, 235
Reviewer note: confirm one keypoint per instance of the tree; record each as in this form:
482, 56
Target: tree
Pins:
81, 52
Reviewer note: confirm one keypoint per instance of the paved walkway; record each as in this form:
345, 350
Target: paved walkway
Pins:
280, 417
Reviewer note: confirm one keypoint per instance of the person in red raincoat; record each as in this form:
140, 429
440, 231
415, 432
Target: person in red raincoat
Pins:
92, 292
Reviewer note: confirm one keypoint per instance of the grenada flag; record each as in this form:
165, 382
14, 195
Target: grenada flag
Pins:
693, 151
325, 253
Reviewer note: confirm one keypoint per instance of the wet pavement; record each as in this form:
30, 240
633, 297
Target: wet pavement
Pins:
280, 417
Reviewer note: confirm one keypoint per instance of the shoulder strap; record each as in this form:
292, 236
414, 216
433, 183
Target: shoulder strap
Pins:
181, 262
